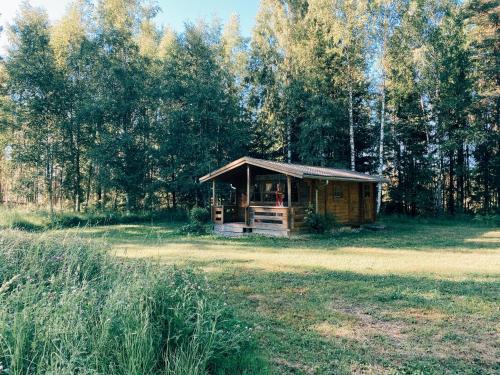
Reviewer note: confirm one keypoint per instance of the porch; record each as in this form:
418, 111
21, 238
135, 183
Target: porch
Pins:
266, 220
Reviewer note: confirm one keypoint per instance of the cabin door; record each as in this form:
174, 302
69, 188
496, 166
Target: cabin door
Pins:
368, 194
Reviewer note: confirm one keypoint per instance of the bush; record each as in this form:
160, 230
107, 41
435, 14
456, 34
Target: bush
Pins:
199, 215
198, 219
317, 223
490, 219
25, 225
194, 227
67, 307
42, 220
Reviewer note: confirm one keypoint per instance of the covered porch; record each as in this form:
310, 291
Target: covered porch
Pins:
251, 199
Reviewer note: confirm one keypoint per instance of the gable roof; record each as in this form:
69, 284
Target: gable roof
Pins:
296, 170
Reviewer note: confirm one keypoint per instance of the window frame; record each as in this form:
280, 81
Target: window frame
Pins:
338, 188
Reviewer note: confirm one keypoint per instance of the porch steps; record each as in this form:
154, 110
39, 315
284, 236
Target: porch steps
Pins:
241, 229
232, 229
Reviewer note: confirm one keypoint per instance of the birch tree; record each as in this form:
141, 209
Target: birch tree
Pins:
348, 38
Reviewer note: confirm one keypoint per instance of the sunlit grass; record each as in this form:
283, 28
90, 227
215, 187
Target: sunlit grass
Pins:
394, 251
362, 260
418, 297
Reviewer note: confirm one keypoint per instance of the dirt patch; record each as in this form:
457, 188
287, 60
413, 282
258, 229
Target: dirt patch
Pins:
256, 298
413, 332
372, 369
299, 367
297, 291
364, 325
419, 315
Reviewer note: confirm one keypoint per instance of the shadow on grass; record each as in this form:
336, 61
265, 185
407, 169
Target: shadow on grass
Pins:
406, 235
349, 321
409, 290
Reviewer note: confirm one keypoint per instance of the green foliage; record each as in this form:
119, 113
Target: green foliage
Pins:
42, 220
104, 110
318, 223
26, 225
200, 215
67, 307
198, 219
193, 227
491, 219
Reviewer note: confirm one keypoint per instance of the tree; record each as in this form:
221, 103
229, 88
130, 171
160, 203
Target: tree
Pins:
482, 19
385, 17
35, 84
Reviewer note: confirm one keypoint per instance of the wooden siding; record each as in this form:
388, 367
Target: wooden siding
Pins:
349, 207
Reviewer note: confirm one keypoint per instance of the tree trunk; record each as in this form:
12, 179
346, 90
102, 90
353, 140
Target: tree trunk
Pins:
77, 189
451, 184
99, 197
381, 149
289, 142
351, 130
461, 176
89, 185
48, 175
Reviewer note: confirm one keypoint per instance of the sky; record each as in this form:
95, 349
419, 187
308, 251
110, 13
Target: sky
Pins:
174, 12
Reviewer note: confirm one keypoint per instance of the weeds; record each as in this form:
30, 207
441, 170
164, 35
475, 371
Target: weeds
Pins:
42, 220
67, 307
198, 222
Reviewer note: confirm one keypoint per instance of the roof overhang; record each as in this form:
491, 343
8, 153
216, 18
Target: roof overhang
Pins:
290, 171
242, 161
374, 179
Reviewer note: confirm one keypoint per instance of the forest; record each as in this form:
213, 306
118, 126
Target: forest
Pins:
105, 110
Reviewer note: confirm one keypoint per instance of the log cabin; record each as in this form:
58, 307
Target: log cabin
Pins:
252, 195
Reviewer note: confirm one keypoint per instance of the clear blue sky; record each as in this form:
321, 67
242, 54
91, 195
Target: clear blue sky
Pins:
174, 12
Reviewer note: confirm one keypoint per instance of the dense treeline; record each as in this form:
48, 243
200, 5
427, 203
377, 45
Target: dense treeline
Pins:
105, 110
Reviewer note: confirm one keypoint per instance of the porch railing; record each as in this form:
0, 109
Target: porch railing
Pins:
276, 218
262, 217
224, 214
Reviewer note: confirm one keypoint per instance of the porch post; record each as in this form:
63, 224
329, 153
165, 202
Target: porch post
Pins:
213, 200
213, 192
289, 199
289, 190
316, 197
248, 185
247, 209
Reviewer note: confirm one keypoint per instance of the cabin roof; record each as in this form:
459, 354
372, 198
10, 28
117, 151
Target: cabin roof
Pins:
296, 170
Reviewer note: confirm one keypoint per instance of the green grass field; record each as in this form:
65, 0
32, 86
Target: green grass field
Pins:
420, 297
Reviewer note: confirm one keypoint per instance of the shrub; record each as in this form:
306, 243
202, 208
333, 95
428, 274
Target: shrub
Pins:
67, 307
199, 215
67, 220
198, 219
317, 223
194, 227
25, 225
491, 219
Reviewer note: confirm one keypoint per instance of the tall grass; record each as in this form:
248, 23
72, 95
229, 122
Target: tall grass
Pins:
66, 307
35, 221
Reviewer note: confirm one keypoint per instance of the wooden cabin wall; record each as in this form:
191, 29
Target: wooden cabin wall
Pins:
369, 202
350, 206
344, 208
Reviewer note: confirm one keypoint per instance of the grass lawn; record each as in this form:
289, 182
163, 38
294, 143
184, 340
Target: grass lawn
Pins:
418, 297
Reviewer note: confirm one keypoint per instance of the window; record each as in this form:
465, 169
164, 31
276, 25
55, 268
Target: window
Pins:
367, 191
338, 191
